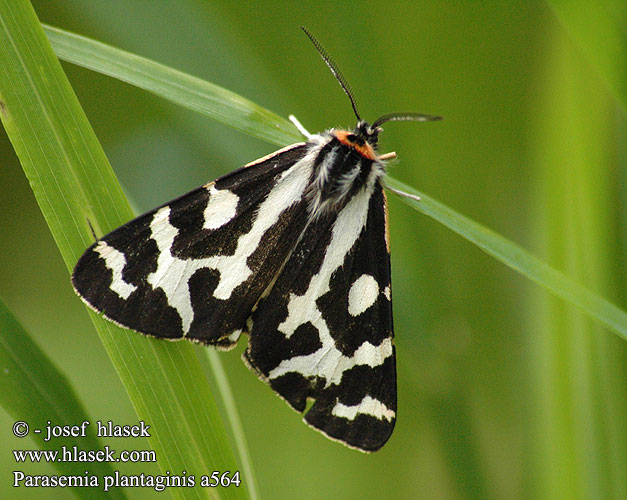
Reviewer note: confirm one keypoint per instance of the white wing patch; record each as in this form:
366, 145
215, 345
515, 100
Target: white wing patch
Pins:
234, 336
346, 230
115, 261
221, 207
172, 273
328, 361
368, 406
362, 294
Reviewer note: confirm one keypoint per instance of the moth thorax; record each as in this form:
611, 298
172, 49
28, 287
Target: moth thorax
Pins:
340, 171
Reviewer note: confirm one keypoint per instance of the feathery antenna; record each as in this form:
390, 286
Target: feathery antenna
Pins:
334, 69
402, 117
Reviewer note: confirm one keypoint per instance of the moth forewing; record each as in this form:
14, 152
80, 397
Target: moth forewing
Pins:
194, 266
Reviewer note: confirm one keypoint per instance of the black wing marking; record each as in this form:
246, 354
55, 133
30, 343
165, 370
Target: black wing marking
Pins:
196, 266
325, 330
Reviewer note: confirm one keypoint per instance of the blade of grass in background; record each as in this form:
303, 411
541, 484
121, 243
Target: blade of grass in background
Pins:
210, 360
161, 81
598, 29
183, 89
74, 184
581, 445
32, 389
599, 309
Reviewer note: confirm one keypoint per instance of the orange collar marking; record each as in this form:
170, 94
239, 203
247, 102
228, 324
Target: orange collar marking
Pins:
364, 150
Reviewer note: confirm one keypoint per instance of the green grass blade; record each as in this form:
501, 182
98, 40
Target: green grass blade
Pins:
212, 362
521, 261
73, 183
33, 390
598, 29
180, 88
162, 80
581, 407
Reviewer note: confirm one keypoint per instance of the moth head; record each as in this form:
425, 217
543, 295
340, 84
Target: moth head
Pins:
363, 139
365, 133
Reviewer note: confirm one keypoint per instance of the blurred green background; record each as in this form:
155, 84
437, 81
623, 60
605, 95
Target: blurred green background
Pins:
504, 392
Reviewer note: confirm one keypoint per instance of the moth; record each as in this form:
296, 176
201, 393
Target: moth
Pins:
292, 249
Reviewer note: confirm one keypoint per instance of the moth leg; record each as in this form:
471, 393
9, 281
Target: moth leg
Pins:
388, 156
91, 228
404, 194
299, 126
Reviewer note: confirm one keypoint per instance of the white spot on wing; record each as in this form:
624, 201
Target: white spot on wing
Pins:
234, 336
362, 294
387, 292
115, 261
368, 406
221, 207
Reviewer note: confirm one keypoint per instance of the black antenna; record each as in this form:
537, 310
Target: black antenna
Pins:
334, 69
401, 117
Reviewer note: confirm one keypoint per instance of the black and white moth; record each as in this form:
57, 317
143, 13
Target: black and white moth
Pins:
292, 249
